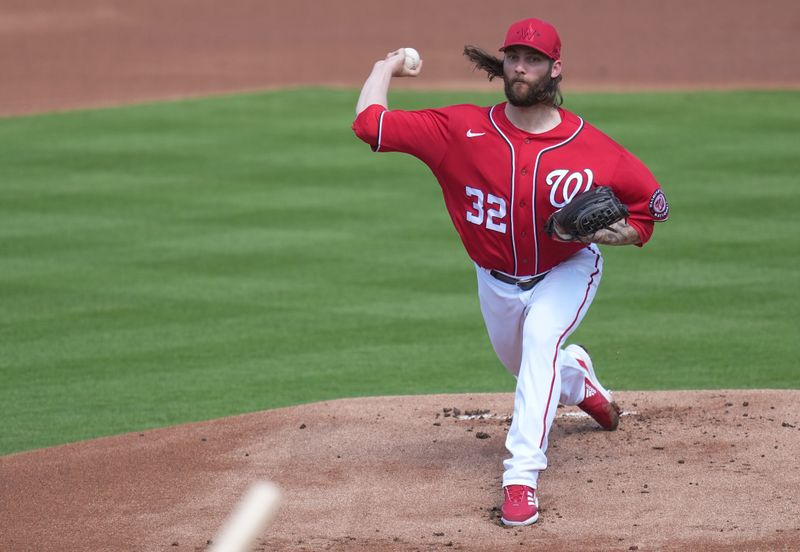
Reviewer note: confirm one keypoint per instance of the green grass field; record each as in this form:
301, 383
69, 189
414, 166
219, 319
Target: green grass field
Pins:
184, 261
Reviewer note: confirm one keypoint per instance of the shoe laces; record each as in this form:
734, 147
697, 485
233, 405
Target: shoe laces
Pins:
518, 493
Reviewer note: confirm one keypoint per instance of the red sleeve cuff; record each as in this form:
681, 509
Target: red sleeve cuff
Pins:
367, 125
643, 228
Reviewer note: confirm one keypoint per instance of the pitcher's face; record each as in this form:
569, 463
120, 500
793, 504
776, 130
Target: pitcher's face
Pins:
526, 73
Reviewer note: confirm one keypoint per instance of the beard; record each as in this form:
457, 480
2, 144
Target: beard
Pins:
529, 95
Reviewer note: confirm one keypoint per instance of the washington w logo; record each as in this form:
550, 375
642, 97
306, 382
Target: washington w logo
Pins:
565, 185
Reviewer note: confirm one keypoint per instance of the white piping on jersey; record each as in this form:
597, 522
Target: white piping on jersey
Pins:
380, 130
533, 202
513, 175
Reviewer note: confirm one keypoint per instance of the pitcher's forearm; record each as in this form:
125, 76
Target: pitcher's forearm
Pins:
619, 233
376, 87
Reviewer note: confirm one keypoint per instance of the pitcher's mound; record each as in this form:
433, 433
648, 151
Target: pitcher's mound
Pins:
685, 471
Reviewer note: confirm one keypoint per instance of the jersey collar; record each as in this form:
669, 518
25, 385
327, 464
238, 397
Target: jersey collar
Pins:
569, 123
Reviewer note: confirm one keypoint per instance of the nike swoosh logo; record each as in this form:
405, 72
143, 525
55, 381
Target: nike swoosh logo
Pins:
471, 134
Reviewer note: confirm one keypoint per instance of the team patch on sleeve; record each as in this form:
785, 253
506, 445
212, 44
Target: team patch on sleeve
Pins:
659, 208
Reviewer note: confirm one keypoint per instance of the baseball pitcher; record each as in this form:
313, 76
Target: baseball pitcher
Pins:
531, 189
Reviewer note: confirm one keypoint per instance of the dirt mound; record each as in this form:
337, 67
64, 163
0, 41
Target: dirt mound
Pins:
685, 471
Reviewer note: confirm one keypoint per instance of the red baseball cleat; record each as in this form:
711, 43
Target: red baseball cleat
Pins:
521, 505
598, 402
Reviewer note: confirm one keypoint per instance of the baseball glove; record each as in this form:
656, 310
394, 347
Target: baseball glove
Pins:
587, 213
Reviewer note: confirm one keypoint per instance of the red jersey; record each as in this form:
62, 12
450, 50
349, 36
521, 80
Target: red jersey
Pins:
500, 183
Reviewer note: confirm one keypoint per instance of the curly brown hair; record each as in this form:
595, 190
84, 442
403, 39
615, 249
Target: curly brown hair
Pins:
484, 61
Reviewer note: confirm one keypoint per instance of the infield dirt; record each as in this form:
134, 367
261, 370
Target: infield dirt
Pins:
85, 53
711, 470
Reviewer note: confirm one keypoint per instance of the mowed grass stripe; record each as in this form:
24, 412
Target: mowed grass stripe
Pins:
183, 261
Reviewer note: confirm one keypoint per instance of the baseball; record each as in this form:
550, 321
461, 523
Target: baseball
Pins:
412, 59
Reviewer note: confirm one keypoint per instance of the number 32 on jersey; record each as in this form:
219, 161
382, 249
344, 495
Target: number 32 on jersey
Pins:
487, 208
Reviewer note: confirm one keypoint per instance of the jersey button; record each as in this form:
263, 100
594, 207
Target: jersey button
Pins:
524, 261
522, 203
523, 233
524, 172
527, 140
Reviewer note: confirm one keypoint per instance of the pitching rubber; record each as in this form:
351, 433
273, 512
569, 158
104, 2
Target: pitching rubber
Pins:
251, 516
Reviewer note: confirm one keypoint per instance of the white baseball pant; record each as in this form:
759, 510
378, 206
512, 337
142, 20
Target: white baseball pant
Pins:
527, 330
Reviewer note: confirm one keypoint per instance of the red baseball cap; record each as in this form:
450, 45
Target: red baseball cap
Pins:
534, 33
